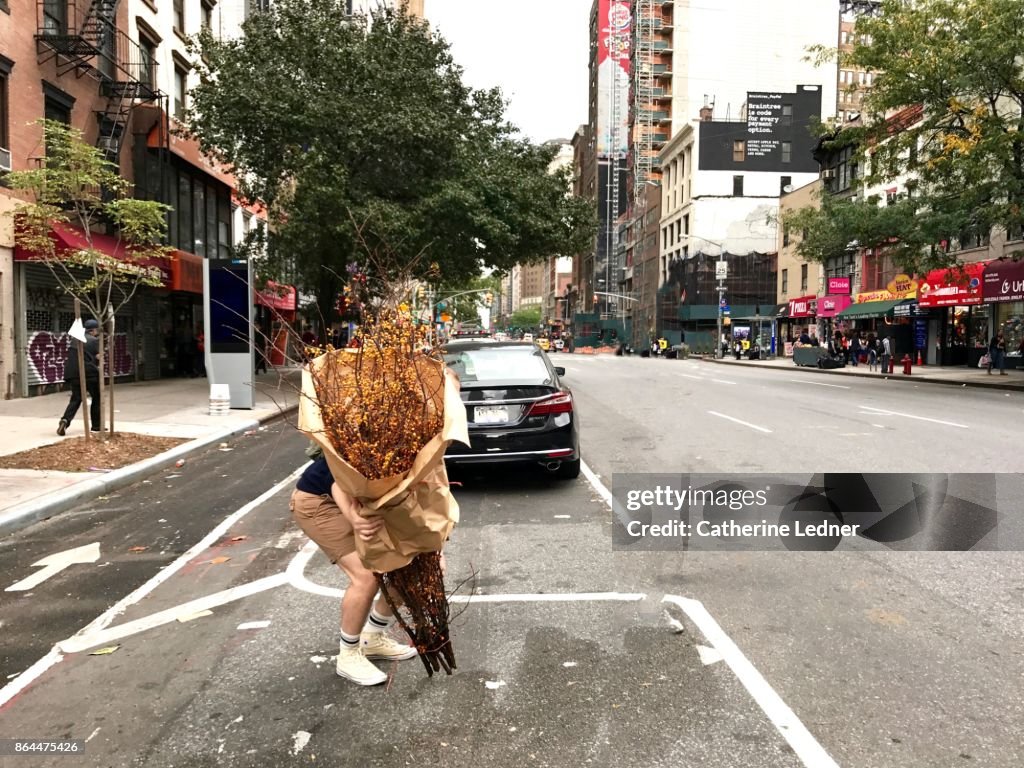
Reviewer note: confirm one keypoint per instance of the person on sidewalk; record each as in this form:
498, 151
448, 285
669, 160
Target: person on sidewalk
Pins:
872, 345
331, 518
997, 354
886, 353
854, 349
92, 379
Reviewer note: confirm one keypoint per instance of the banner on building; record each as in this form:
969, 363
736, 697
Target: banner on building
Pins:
613, 44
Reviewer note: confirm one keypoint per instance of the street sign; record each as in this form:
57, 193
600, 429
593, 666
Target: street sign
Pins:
721, 270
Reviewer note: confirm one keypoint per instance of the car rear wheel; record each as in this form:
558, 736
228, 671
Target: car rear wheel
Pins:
568, 470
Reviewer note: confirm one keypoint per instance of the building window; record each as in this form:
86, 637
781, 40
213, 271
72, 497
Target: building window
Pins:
180, 78
787, 151
785, 235
686, 224
784, 184
147, 64
787, 114
57, 105
737, 186
179, 16
4, 137
185, 213
207, 15
803, 278
785, 281
739, 151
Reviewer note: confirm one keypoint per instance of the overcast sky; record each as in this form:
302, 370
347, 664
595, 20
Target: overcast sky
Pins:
534, 50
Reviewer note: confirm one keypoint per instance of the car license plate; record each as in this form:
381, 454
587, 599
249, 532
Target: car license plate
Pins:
490, 414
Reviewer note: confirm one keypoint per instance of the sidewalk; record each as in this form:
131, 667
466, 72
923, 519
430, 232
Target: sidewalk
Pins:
931, 374
168, 408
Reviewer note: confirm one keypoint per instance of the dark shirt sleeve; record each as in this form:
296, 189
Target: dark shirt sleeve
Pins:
317, 479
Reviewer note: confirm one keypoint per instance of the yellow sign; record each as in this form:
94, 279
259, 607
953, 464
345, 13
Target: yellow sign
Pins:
899, 288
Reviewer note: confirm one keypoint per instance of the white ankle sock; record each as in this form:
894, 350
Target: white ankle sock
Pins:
349, 641
377, 623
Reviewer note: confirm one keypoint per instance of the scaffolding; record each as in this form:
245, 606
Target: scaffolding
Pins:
612, 181
645, 26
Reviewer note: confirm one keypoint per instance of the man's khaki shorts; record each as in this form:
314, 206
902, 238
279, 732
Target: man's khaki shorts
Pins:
321, 520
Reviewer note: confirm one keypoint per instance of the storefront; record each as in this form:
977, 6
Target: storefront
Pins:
799, 314
1003, 294
275, 316
181, 316
958, 322
875, 312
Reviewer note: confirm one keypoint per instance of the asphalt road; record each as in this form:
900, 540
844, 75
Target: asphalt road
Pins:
569, 653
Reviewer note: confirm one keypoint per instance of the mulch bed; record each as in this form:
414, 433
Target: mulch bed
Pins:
74, 454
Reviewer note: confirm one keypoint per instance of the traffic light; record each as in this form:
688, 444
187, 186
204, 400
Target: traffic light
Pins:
488, 299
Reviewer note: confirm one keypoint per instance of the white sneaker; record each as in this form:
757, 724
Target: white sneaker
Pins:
377, 645
354, 666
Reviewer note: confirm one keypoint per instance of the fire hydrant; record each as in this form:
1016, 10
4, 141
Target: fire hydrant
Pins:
906, 364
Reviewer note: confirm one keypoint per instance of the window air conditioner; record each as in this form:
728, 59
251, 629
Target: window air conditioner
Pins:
5, 159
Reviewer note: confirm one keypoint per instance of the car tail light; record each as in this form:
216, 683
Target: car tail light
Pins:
560, 403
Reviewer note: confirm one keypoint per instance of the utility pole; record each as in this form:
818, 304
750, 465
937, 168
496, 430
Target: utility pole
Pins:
721, 273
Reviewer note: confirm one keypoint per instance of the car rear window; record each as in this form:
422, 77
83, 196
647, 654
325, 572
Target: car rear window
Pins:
507, 365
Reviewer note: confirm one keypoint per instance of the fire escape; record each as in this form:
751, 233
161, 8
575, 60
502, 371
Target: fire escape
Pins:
643, 100
82, 36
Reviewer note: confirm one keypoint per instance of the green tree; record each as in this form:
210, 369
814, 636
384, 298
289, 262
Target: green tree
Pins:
76, 185
371, 127
947, 109
527, 318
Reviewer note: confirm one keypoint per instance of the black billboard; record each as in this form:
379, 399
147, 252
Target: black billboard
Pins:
775, 137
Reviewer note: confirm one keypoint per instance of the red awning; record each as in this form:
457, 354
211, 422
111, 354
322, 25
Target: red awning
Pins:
958, 285
278, 297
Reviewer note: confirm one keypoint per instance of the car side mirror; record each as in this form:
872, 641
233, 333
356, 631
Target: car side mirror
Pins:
560, 370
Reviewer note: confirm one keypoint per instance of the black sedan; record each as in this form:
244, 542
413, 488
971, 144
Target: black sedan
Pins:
517, 408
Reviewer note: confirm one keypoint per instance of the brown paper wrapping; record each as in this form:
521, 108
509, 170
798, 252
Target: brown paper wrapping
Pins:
418, 508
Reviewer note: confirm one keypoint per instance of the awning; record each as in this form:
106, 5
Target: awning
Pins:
281, 298
958, 285
805, 306
181, 272
830, 306
869, 309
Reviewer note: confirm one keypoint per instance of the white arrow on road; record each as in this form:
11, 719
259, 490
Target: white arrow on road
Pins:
55, 563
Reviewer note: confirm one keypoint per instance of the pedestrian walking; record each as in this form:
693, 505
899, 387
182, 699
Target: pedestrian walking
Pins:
331, 518
886, 353
872, 346
92, 379
200, 364
997, 354
854, 349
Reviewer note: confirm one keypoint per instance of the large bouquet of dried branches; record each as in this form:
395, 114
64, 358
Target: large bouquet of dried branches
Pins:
384, 413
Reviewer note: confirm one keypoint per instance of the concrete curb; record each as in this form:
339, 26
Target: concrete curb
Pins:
51, 504
890, 377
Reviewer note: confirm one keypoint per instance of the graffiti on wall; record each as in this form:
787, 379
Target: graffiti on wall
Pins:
48, 351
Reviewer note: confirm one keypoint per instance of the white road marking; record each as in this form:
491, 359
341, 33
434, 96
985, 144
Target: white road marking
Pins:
738, 421
819, 384
723, 381
708, 656
54, 656
253, 625
299, 741
553, 597
92, 736
493, 685
53, 564
782, 717
80, 643
883, 412
688, 376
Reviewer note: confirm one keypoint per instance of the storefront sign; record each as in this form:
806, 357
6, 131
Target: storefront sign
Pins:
830, 306
1003, 281
920, 334
802, 307
952, 286
838, 286
186, 273
900, 287
909, 310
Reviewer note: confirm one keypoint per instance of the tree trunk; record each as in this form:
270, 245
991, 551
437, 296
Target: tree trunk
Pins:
81, 375
102, 367
110, 400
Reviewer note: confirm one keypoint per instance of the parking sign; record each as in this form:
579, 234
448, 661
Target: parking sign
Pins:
721, 270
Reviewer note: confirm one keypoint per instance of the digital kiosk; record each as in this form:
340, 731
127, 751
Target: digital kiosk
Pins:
228, 313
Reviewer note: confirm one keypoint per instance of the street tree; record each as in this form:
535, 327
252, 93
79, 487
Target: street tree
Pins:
75, 185
946, 111
527, 318
342, 124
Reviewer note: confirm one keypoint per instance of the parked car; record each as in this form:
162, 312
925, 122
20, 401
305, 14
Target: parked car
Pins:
527, 337
558, 345
517, 408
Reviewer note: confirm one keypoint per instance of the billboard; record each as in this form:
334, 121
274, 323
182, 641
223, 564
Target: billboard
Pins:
613, 43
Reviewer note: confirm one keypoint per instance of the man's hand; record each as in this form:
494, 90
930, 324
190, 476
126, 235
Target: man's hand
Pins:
365, 528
